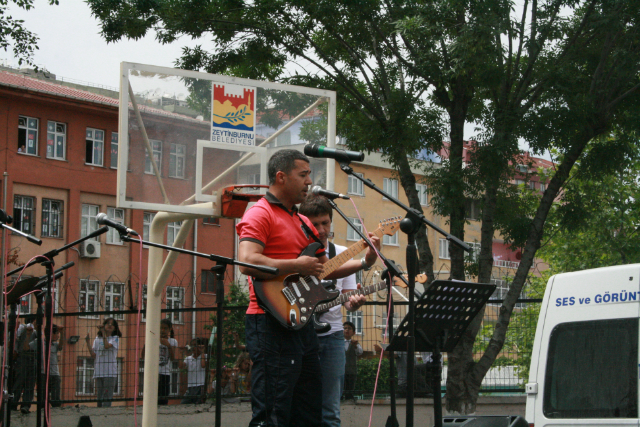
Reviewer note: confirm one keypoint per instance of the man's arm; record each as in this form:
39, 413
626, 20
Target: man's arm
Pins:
251, 253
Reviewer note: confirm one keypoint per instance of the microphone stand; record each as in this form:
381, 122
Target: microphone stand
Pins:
47, 260
410, 226
391, 271
219, 270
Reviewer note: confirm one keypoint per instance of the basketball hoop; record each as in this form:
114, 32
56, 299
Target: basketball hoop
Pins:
236, 198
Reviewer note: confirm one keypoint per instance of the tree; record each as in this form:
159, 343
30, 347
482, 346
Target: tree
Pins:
597, 223
13, 33
559, 81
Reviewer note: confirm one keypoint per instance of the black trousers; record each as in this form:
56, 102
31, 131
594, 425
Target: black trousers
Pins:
286, 381
164, 388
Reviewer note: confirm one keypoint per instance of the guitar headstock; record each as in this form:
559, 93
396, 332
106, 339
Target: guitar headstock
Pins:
420, 278
390, 226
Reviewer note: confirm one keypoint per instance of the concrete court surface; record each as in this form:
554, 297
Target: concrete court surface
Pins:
239, 414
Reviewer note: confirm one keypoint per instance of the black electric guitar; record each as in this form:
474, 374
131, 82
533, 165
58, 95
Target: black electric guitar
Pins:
322, 327
292, 299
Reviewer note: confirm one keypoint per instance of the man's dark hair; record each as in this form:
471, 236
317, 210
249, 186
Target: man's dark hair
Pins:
347, 323
283, 161
315, 205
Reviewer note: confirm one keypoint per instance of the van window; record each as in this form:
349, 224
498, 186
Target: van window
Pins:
592, 370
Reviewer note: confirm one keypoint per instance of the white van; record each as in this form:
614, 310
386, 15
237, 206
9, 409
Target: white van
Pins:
584, 365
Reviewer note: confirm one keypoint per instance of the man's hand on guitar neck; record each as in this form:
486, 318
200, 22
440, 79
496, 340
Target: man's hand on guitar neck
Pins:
355, 301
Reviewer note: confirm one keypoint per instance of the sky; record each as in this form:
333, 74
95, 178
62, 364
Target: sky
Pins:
70, 44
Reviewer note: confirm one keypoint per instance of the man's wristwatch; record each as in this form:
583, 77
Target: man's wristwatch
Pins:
365, 267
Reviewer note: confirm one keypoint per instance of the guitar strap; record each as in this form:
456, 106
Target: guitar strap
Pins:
310, 232
332, 250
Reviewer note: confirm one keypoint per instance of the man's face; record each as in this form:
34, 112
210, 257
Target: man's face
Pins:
348, 332
297, 182
322, 223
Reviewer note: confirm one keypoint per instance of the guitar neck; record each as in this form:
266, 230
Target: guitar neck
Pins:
369, 289
334, 263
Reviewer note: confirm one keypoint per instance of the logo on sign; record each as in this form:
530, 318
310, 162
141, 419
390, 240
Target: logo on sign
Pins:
233, 114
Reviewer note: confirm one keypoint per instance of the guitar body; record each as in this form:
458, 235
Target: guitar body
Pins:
292, 299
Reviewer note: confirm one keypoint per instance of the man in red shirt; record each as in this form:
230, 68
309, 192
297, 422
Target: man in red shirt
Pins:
286, 386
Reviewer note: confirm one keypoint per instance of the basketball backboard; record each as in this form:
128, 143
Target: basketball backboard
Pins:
184, 136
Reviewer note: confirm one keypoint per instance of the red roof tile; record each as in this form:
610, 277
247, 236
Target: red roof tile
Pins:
29, 83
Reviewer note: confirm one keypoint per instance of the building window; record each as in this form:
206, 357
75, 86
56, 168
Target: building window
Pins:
355, 186
89, 224
211, 221
351, 234
444, 249
543, 187
25, 303
390, 240
51, 218
24, 215
140, 377
174, 385
422, 194
114, 150
520, 181
156, 146
472, 209
144, 303
532, 185
175, 301
396, 319
176, 160
84, 376
475, 251
114, 298
118, 390
172, 232
56, 297
27, 135
115, 215
94, 146
390, 186
502, 287
208, 282
88, 297
355, 317
281, 140
56, 140
147, 219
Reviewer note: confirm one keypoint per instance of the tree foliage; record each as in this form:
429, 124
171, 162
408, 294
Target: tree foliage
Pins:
13, 33
597, 223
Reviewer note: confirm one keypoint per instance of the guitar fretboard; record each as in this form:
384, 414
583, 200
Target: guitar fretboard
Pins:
369, 289
334, 263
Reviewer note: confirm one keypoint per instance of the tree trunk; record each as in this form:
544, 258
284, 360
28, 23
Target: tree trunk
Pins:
408, 182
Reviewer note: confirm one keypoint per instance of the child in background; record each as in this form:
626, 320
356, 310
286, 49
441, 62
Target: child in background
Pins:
167, 355
105, 353
240, 381
54, 372
195, 364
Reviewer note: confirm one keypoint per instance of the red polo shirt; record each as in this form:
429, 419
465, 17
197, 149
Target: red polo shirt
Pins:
279, 230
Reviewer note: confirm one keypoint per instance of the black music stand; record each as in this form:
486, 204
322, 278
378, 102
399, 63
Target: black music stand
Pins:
442, 314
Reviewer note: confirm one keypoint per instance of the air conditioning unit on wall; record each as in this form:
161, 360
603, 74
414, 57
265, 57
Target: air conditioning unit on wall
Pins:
90, 249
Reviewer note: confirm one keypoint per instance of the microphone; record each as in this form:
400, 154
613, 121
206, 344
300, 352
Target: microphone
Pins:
103, 219
317, 150
319, 191
5, 218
